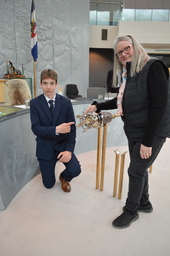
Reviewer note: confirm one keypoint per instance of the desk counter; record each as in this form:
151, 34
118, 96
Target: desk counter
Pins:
17, 153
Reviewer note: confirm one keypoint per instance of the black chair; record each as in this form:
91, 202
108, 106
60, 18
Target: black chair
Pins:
72, 91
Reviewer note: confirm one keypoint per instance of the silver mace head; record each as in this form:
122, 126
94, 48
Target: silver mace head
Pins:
94, 120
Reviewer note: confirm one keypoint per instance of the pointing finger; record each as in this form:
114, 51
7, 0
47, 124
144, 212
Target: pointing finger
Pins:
70, 123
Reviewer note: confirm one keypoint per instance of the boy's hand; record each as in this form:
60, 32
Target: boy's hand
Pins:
64, 128
64, 156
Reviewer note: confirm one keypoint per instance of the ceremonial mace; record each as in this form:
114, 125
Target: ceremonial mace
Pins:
94, 120
98, 121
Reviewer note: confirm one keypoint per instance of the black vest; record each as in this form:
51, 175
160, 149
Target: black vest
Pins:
136, 105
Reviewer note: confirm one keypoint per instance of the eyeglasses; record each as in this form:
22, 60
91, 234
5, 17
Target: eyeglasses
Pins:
125, 50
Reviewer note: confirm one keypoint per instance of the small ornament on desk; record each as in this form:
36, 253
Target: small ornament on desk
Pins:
60, 89
23, 68
27, 103
7, 67
12, 72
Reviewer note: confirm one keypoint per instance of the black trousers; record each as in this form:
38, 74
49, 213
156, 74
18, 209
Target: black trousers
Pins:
138, 173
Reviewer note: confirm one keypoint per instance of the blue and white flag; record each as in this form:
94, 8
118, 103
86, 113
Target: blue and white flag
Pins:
34, 45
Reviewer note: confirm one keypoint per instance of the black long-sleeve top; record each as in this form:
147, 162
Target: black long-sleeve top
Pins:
158, 91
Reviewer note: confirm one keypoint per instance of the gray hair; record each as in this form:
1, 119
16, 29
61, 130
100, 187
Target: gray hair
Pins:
139, 59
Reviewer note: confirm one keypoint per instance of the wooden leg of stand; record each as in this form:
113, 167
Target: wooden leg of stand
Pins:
103, 157
116, 172
150, 169
121, 175
98, 164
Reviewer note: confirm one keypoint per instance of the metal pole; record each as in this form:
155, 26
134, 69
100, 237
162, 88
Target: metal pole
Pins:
35, 78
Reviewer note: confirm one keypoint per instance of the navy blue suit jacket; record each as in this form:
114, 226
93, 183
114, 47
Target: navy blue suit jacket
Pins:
44, 127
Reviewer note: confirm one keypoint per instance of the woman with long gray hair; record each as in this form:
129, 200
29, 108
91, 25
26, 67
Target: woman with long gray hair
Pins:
143, 101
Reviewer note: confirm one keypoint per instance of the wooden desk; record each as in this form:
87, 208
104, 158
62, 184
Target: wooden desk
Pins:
2, 86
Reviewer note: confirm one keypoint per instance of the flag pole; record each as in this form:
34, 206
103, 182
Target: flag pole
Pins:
34, 46
35, 80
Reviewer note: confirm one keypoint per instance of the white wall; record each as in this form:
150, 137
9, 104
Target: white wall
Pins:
152, 35
96, 33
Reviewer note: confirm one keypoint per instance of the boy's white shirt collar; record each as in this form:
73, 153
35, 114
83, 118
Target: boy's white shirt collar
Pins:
47, 99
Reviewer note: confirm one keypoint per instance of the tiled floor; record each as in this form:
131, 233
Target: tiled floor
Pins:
41, 222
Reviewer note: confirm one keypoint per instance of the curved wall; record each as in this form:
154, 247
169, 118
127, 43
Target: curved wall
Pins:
17, 155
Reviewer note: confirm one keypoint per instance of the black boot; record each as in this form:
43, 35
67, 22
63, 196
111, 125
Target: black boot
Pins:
125, 219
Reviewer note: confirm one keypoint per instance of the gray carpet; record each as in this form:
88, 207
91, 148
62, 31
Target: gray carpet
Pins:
41, 222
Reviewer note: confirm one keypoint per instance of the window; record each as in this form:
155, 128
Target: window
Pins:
160, 15
144, 15
128, 14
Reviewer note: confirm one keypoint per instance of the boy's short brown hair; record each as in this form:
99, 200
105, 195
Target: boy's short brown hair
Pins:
48, 73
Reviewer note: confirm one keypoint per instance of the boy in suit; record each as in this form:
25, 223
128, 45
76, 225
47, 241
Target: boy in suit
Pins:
53, 123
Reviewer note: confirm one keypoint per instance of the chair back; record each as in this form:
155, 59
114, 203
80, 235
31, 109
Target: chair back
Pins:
93, 92
72, 91
17, 92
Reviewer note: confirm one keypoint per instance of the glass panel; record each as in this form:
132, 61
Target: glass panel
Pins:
93, 16
110, 14
117, 15
103, 18
128, 14
103, 14
143, 15
93, 13
160, 15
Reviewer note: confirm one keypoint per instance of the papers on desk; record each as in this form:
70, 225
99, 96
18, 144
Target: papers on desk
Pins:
20, 106
109, 96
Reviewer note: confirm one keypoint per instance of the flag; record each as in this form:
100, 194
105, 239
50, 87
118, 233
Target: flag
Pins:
34, 46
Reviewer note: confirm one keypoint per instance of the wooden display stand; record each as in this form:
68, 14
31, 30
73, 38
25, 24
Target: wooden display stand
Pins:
119, 164
118, 174
101, 155
100, 165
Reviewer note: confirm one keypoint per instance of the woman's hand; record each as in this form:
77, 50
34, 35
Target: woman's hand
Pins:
145, 152
90, 109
